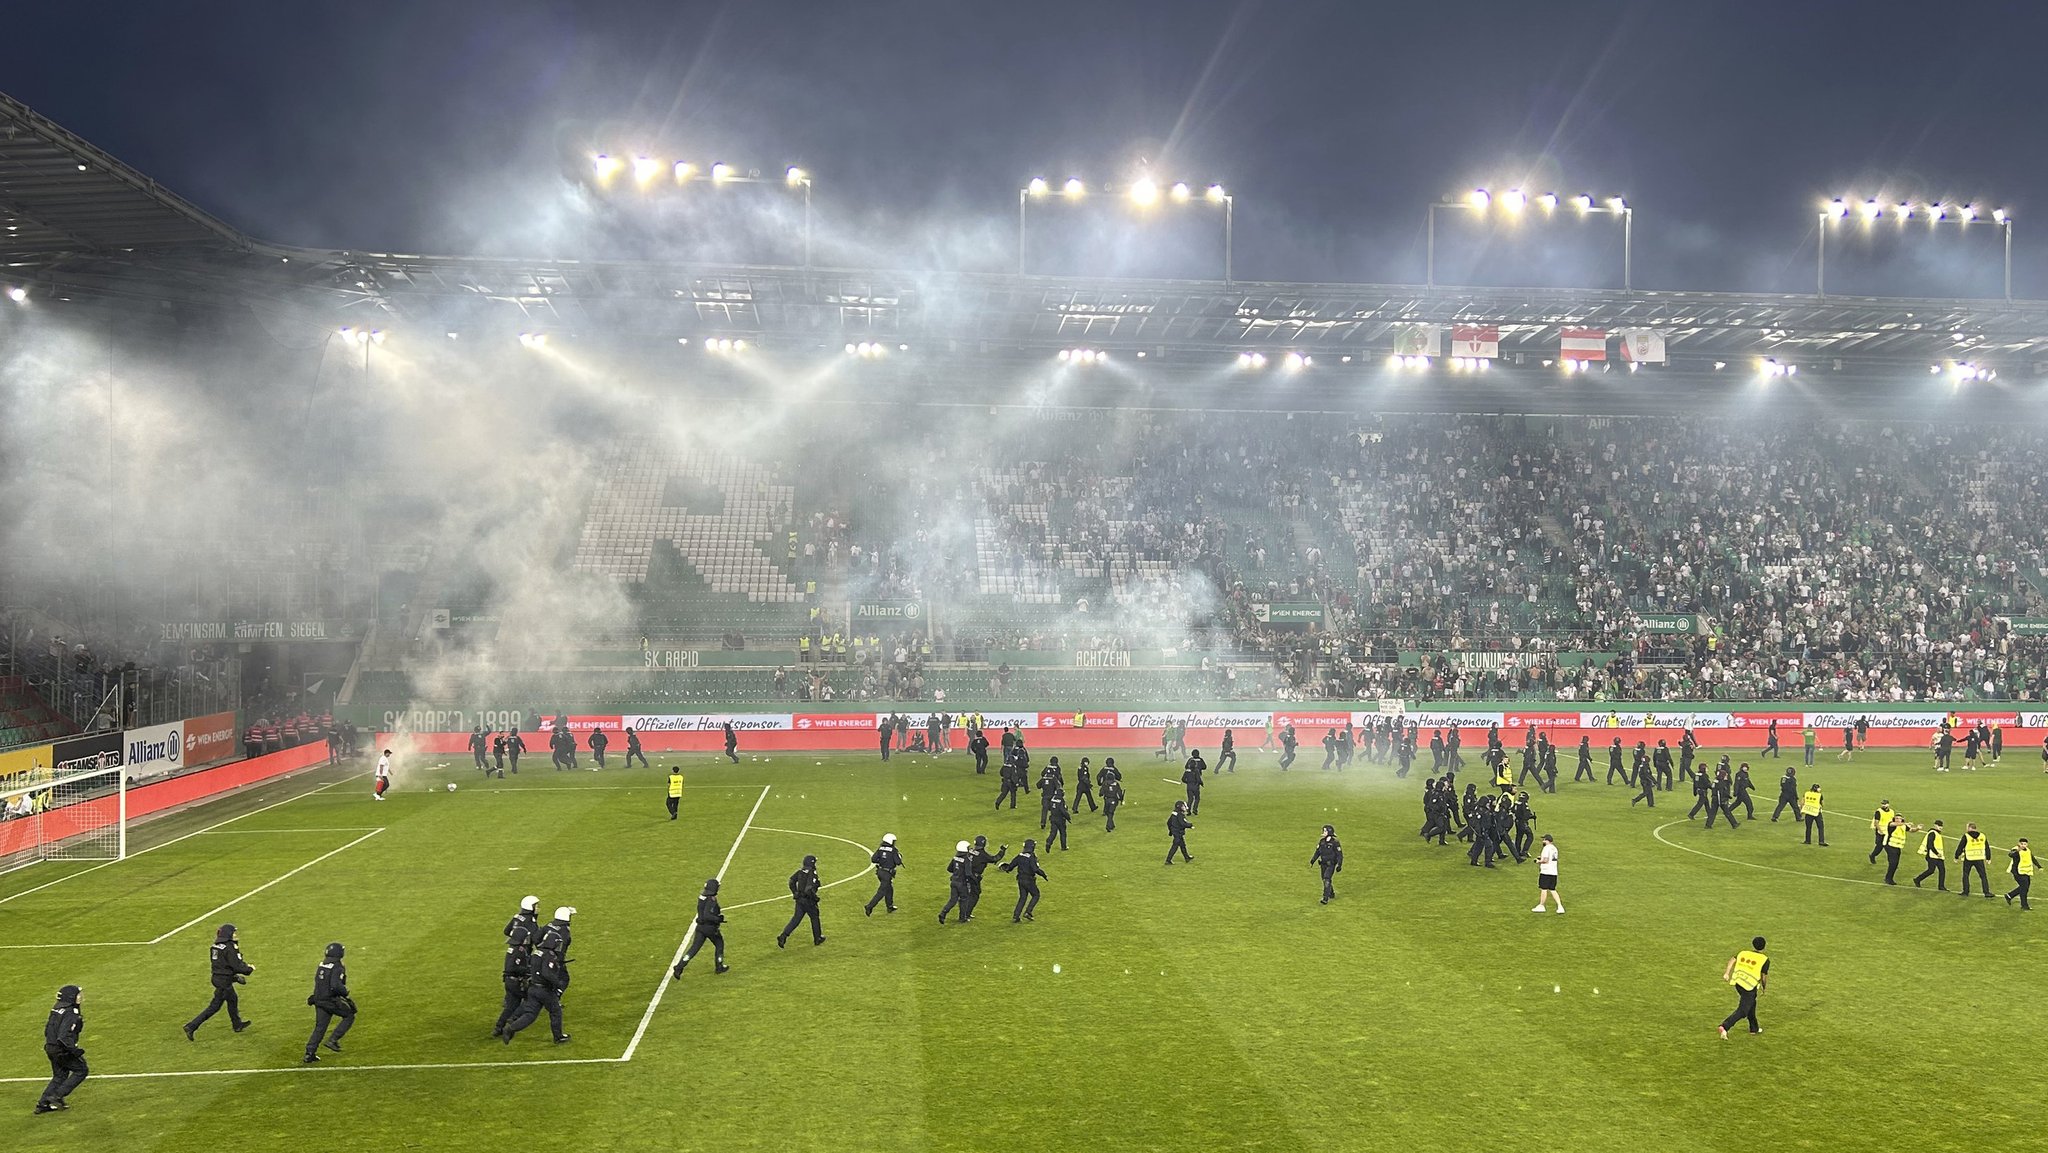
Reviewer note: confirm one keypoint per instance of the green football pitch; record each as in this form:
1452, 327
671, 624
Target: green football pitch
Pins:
1203, 1006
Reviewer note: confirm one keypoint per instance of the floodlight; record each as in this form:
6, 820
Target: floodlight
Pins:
1180, 191
606, 166
1073, 186
1478, 199
1144, 191
1548, 200
1905, 211
644, 168
17, 294
684, 170
1513, 200
1837, 209
1216, 193
721, 171
1295, 362
1068, 354
1616, 204
1969, 212
795, 176
1999, 215
1583, 203
1037, 186
1872, 210
1937, 211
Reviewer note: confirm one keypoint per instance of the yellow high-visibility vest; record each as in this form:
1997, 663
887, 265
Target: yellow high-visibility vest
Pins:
1975, 847
1933, 848
1749, 969
2026, 862
675, 784
1882, 817
1810, 807
1895, 838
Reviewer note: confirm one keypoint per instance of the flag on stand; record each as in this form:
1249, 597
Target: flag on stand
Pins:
1418, 340
1480, 341
1582, 344
1642, 346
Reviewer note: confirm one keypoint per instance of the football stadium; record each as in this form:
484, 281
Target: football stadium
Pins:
461, 702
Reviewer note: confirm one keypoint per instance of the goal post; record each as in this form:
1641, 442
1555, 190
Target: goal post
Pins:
74, 812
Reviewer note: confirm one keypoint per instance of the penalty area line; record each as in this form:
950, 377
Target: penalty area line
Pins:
661, 987
821, 888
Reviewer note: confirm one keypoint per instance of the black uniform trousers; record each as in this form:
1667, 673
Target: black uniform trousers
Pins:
732, 754
714, 937
1329, 889
1891, 867
631, 753
67, 1071
340, 1013
1109, 816
1745, 1010
1194, 800
223, 995
2022, 885
1027, 901
674, 803
1725, 808
1057, 832
1936, 868
1087, 795
958, 895
1785, 802
515, 995
1982, 881
803, 909
1179, 845
1010, 791
885, 890
1649, 792
539, 995
1228, 756
1816, 824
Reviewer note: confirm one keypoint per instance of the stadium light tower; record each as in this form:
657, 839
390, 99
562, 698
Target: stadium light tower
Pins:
1515, 204
1869, 211
1145, 193
646, 168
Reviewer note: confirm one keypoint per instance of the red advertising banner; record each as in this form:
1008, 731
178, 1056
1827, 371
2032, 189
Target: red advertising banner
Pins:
210, 738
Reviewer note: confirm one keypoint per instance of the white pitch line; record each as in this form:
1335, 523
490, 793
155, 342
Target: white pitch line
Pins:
329, 1068
254, 832
265, 885
647, 1018
186, 837
1658, 833
605, 788
821, 888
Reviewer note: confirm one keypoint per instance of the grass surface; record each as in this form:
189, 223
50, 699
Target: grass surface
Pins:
1208, 1006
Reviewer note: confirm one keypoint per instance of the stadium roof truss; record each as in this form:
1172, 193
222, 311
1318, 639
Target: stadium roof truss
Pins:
75, 219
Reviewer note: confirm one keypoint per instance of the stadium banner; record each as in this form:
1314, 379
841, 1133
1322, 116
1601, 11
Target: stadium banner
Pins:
16, 762
707, 722
1906, 720
1658, 719
1762, 721
1480, 341
1641, 345
1539, 720
210, 738
1437, 719
1193, 720
879, 611
1670, 622
1392, 707
1094, 659
103, 748
690, 658
449, 720
1582, 344
1298, 613
834, 722
1418, 340
1303, 719
2028, 626
1083, 720
310, 630
154, 751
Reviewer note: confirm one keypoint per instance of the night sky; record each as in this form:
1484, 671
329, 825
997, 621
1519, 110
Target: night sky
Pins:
447, 127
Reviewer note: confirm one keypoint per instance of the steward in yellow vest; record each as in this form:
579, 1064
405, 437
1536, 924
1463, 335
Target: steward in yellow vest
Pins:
1972, 851
675, 792
1747, 971
2022, 873
1880, 824
1810, 811
1935, 849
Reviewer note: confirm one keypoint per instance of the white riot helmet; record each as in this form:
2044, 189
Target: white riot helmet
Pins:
529, 904
565, 912
888, 838
961, 847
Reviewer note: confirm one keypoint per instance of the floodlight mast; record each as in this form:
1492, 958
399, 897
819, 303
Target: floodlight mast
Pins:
1145, 193
1870, 211
1514, 202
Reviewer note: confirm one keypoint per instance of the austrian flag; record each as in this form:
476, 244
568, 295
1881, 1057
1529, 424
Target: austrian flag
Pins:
1476, 341
1582, 344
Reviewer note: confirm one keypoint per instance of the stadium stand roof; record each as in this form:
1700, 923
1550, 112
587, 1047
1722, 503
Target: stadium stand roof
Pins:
78, 220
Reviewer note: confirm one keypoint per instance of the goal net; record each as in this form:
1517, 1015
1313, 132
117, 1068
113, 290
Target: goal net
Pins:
76, 811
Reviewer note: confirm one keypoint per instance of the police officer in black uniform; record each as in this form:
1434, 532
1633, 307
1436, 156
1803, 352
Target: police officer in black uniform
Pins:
709, 918
1177, 826
1191, 776
803, 890
1702, 797
1788, 794
977, 743
1084, 787
331, 1003
978, 862
1025, 865
1229, 754
1112, 781
61, 1033
1329, 855
1058, 827
732, 744
522, 933
886, 861
549, 979
1010, 776
959, 889
229, 970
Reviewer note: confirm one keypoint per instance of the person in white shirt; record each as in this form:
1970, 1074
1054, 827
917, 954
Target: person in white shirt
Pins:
1546, 876
383, 774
